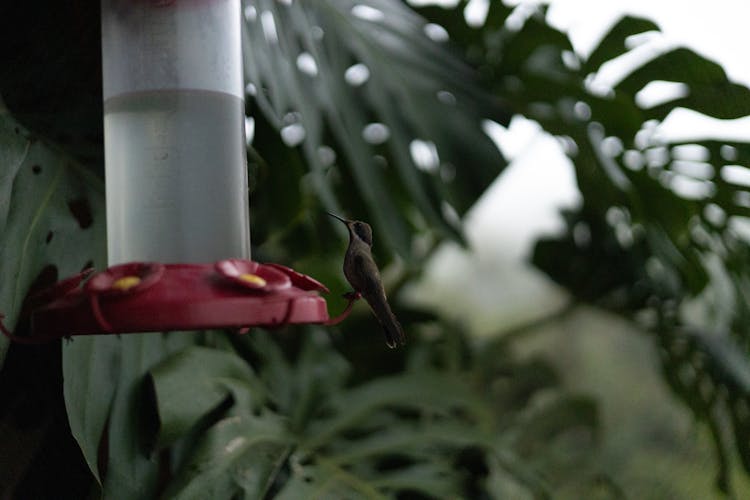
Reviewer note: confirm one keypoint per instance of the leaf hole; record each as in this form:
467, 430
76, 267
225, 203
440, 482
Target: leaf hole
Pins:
473, 460
46, 277
37, 169
393, 462
81, 211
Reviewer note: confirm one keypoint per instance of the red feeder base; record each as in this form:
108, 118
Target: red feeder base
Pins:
144, 297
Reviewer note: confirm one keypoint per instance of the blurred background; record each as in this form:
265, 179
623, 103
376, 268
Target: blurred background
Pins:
559, 194
652, 441
521, 205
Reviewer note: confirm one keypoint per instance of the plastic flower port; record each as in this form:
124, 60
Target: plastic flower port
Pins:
250, 274
300, 280
125, 279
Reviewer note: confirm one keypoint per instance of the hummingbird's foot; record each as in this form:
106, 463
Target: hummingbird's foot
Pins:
352, 296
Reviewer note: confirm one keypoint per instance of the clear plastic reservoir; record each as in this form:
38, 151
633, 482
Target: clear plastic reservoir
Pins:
176, 176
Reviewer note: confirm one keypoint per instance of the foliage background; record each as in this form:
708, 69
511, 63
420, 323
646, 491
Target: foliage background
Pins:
306, 412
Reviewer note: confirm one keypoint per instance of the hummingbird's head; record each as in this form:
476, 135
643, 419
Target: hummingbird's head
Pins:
362, 230
357, 229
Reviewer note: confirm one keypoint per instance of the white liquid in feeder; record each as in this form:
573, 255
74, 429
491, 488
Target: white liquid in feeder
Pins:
172, 177
174, 121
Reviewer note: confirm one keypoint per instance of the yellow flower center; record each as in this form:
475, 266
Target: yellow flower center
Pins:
253, 278
126, 283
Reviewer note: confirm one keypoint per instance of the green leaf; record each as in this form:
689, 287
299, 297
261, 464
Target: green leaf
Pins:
132, 471
326, 481
656, 225
712, 375
51, 216
678, 65
453, 20
613, 43
239, 455
511, 477
619, 114
194, 381
414, 440
434, 479
554, 418
723, 100
426, 391
89, 388
320, 373
299, 389
14, 149
319, 435
535, 37
407, 70
710, 92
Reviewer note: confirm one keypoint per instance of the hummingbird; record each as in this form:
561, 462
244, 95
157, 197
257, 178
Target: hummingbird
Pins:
362, 274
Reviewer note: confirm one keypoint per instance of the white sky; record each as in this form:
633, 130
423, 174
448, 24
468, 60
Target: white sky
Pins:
505, 222
717, 29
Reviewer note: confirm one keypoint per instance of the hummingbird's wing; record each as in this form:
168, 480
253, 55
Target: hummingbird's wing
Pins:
373, 292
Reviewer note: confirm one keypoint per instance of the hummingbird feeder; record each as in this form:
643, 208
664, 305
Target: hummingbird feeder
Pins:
178, 233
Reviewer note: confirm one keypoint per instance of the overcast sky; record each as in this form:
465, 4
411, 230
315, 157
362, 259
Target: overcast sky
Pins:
716, 28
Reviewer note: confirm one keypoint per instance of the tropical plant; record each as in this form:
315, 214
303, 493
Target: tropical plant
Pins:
367, 108
660, 232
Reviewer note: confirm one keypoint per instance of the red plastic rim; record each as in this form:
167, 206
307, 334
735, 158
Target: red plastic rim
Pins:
150, 296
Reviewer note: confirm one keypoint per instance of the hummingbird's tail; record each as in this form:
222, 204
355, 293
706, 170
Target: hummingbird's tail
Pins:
394, 334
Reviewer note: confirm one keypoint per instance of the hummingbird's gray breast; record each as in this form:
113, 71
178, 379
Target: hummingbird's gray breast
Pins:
360, 270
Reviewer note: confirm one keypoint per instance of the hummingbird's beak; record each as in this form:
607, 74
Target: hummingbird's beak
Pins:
339, 218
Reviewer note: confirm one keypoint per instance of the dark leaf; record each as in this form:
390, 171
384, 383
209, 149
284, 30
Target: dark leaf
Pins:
370, 118
194, 381
37, 183
238, 456
89, 390
613, 43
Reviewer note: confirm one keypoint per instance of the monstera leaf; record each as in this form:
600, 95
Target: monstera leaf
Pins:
51, 226
662, 233
383, 112
294, 429
51, 217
